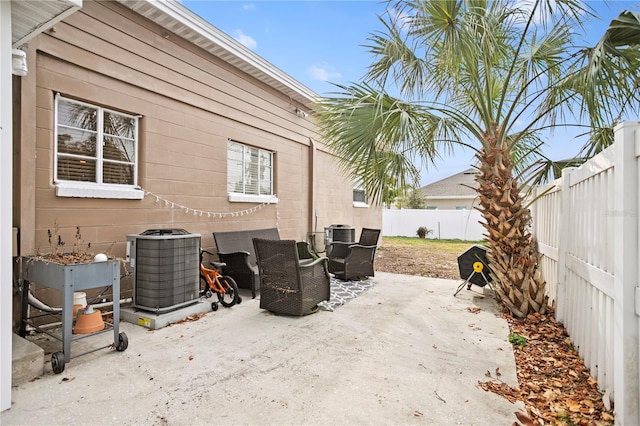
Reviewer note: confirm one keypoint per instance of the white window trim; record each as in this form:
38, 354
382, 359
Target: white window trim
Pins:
235, 197
358, 186
240, 197
69, 188
92, 190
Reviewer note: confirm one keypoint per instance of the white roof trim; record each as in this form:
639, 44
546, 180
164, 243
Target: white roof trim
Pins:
176, 18
30, 18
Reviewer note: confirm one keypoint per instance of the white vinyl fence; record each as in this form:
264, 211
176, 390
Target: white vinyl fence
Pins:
445, 224
586, 225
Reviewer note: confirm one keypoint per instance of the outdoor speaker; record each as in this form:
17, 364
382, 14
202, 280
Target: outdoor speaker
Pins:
474, 267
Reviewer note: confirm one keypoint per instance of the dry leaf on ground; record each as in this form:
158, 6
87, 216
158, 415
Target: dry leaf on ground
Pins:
554, 383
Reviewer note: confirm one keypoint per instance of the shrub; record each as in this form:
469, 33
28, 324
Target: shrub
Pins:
423, 231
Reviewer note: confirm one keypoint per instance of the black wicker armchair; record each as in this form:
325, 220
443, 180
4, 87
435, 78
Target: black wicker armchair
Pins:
288, 286
235, 250
349, 261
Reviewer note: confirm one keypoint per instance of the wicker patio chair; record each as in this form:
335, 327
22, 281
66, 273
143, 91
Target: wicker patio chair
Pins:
348, 261
288, 286
304, 252
235, 250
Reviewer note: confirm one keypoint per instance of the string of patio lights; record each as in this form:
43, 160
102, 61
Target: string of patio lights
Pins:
210, 214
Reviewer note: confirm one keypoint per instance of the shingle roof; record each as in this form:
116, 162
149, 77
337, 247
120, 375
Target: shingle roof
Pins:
452, 186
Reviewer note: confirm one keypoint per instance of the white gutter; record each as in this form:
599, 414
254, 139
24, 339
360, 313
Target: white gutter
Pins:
176, 18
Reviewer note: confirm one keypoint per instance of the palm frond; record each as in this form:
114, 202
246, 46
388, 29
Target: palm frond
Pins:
374, 134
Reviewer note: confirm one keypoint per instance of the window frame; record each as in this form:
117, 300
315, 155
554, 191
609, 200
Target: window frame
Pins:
244, 197
358, 187
97, 189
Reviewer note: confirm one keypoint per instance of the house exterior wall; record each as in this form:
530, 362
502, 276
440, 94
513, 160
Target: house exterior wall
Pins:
335, 205
190, 103
451, 203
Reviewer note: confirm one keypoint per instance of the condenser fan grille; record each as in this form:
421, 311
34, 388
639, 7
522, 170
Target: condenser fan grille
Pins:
166, 274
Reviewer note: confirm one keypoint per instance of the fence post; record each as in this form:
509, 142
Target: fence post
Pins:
625, 249
564, 217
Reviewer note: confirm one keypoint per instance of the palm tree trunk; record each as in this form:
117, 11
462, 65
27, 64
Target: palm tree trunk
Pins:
513, 257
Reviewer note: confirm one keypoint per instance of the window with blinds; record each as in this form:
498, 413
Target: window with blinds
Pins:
94, 144
249, 170
359, 194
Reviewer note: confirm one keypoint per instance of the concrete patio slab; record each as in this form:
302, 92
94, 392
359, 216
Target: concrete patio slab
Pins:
404, 352
27, 360
155, 321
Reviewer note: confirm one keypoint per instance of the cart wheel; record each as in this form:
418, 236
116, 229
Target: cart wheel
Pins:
239, 300
57, 362
214, 306
123, 342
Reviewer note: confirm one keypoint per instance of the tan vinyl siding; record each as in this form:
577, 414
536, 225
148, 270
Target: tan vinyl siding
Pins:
337, 190
131, 52
186, 119
452, 204
190, 104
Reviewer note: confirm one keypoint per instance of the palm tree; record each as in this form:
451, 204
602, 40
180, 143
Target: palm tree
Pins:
490, 75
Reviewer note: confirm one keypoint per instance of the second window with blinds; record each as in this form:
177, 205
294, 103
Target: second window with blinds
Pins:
249, 173
359, 194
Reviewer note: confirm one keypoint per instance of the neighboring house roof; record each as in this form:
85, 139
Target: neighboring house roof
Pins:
176, 18
457, 186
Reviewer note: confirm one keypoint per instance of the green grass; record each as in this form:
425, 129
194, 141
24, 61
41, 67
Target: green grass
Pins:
452, 246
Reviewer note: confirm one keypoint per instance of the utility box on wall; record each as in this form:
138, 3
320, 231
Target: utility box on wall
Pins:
165, 264
14, 242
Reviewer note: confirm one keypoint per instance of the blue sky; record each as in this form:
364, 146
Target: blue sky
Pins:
321, 42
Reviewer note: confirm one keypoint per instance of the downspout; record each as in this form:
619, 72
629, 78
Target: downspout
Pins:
25, 185
312, 186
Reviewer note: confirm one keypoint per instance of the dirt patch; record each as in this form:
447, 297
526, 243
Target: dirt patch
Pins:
423, 262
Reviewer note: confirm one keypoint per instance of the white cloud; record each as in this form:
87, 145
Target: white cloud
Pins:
321, 73
543, 11
248, 6
401, 17
245, 40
